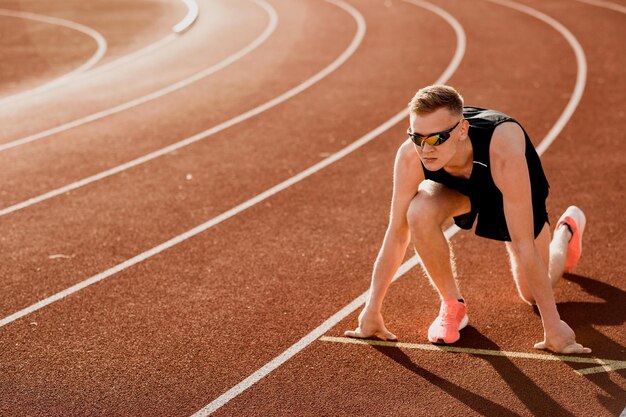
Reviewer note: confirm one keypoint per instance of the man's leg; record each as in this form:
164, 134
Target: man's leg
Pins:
558, 253
429, 209
562, 251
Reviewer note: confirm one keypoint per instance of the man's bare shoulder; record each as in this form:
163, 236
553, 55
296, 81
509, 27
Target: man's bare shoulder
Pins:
408, 162
508, 140
406, 154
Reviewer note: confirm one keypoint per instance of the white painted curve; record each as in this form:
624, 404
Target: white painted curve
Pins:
180, 27
605, 4
93, 60
356, 41
161, 92
189, 19
207, 133
128, 57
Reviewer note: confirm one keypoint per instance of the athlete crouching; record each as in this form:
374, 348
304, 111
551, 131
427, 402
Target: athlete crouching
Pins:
472, 165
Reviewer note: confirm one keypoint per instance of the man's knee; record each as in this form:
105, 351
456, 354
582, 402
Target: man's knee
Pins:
423, 214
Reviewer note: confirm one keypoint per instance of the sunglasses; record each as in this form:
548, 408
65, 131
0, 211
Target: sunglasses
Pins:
435, 139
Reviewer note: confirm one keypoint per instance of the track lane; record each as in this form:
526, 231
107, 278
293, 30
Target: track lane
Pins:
606, 4
39, 56
142, 21
154, 95
215, 36
139, 26
174, 147
191, 204
113, 141
101, 47
182, 26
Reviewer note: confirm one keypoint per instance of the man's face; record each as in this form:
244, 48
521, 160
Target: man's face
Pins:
441, 120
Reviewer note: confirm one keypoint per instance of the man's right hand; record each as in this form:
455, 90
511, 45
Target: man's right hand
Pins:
371, 325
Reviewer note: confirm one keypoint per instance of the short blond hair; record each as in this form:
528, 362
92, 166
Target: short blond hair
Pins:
432, 98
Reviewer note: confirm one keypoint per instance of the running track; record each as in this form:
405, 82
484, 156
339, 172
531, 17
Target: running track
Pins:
174, 331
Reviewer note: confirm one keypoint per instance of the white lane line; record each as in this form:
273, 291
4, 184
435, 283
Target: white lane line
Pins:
100, 50
159, 93
606, 5
610, 365
129, 57
189, 19
415, 260
356, 41
581, 75
345, 311
333, 66
178, 29
607, 365
358, 37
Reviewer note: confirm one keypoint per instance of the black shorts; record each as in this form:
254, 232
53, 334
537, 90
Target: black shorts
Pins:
493, 225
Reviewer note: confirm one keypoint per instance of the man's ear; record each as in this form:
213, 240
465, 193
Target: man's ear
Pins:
464, 129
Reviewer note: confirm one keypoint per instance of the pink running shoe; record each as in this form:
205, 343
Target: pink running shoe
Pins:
575, 219
452, 318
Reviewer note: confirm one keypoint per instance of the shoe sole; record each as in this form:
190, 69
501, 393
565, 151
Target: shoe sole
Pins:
464, 322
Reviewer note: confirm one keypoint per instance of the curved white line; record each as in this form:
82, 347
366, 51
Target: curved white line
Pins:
129, 57
209, 132
415, 260
178, 29
189, 19
159, 93
356, 41
100, 41
606, 5
581, 76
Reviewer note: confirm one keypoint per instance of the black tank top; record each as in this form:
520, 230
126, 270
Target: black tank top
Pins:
485, 197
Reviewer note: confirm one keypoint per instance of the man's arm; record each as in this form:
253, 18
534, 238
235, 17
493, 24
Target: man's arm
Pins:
408, 174
510, 173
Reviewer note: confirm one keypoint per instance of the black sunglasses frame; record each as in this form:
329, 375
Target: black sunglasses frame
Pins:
442, 136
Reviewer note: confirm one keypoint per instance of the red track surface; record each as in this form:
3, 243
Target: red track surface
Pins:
171, 334
44, 51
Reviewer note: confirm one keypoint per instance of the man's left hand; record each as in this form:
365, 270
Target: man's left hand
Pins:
561, 340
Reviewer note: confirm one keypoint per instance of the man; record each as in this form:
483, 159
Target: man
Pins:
468, 163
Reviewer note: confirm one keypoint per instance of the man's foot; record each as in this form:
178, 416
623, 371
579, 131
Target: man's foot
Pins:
452, 318
574, 218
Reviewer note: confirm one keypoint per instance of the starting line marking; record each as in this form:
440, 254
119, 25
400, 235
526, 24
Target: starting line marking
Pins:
606, 365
